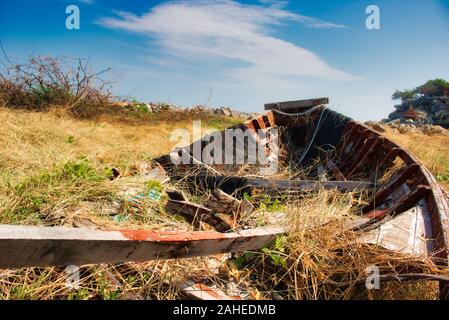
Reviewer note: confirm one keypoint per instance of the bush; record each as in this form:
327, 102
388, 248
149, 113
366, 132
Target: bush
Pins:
43, 82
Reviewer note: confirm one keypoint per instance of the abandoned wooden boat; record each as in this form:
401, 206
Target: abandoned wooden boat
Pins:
408, 212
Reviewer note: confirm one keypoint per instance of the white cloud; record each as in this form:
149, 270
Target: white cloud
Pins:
230, 30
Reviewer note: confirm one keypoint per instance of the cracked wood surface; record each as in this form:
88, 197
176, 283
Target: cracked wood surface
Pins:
31, 246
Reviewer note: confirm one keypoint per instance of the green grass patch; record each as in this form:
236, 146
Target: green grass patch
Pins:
442, 177
65, 185
267, 204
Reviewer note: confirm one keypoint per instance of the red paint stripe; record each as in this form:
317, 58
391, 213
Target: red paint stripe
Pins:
169, 236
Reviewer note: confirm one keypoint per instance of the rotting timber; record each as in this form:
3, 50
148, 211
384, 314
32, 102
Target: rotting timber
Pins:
408, 212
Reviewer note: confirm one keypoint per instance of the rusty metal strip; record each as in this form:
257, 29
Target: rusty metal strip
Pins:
32, 246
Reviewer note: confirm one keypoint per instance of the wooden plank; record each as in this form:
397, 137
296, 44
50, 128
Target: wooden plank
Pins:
438, 206
220, 201
195, 213
392, 154
176, 195
391, 185
353, 152
235, 183
33, 246
308, 185
366, 157
403, 204
288, 105
407, 233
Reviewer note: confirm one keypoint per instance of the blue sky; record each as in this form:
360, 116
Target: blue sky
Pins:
242, 54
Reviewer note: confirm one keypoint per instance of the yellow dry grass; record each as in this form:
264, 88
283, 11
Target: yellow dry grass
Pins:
321, 259
431, 150
31, 141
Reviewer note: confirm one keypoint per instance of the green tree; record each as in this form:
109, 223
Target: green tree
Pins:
405, 95
436, 87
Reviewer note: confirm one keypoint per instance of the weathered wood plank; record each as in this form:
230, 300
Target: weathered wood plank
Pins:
401, 205
234, 183
308, 185
286, 105
195, 213
32, 246
366, 156
392, 184
220, 201
176, 195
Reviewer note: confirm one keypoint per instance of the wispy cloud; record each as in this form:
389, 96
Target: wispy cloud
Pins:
230, 30
311, 22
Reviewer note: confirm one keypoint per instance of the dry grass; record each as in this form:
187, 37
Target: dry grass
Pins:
432, 150
151, 280
51, 162
321, 259
35, 140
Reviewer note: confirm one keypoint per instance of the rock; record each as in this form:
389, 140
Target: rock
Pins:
112, 208
239, 114
235, 114
153, 107
149, 107
226, 111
